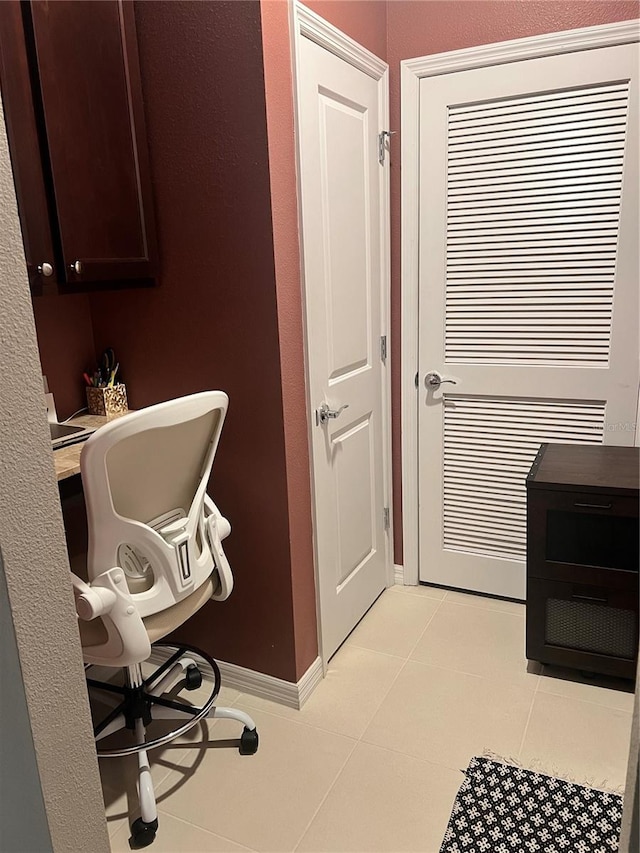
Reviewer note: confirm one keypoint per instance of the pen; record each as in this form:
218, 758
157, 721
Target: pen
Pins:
113, 375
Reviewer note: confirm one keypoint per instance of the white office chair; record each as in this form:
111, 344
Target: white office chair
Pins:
155, 557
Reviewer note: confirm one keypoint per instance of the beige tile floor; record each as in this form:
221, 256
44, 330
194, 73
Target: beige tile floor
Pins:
372, 762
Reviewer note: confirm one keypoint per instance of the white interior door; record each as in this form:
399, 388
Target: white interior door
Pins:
528, 293
344, 272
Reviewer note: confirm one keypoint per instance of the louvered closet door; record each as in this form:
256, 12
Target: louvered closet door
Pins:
528, 293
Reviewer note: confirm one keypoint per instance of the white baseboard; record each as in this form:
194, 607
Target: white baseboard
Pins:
398, 574
289, 693
309, 681
269, 687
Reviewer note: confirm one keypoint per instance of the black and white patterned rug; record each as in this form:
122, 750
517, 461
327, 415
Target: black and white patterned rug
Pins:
502, 809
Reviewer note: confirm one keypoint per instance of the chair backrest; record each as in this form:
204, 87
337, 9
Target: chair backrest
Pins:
145, 478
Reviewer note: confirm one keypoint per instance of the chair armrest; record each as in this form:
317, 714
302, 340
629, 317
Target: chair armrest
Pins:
218, 528
223, 524
107, 597
91, 602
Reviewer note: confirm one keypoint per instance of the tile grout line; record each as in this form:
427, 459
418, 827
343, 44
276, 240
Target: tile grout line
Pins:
484, 607
204, 829
379, 705
352, 645
398, 657
628, 713
487, 676
581, 699
426, 595
112, 835
319, 728
399, 673
435, 764
162, 813
402, 668
322, 801
383, 696
359, 739
460, 672
431, 618
304, 723
118, 830
295, 722
437, 602
412, 757
189, 747
526, 725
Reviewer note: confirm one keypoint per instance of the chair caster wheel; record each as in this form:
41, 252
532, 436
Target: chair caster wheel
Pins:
142, 833
249, 742
192, 677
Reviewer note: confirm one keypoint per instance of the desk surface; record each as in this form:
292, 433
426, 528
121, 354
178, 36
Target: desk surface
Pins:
67, 459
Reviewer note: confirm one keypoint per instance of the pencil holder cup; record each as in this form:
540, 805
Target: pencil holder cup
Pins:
108, 400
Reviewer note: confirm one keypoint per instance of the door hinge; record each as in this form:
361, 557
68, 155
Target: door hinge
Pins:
387, 520
384, 137
383, 347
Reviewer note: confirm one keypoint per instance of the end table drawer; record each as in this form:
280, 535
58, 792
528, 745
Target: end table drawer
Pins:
572, 624
587, 502
576, 529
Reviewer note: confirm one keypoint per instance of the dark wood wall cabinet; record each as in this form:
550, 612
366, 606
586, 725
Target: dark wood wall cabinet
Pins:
72, 99
582, 558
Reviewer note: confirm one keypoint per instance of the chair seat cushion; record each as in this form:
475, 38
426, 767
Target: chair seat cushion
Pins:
163, 623
94, 633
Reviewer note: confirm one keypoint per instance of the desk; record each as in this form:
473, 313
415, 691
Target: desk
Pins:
67, 459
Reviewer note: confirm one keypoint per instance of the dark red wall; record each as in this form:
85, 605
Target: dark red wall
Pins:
284, 215
65, 342
212, 322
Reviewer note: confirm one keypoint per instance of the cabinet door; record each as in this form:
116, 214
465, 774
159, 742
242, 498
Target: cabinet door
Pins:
24, 144
89, 80
594, 628
586, 535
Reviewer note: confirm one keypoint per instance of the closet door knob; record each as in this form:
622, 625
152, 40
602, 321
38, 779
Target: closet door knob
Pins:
76, 266
45, 269
325, 413
434, 380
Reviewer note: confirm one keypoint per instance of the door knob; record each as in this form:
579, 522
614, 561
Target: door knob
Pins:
76, 266
324, 414
45, 269
433, 380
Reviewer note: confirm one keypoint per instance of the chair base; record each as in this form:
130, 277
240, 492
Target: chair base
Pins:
145, 699
142, 833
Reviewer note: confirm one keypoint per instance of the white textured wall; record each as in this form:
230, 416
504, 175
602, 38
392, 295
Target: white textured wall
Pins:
630, 835
36, 566
20, 789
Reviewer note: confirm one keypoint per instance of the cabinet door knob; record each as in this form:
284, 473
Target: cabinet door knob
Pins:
76, 266
45, 269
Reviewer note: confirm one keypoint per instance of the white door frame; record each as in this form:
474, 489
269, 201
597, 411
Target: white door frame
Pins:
412, 71
307, 24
